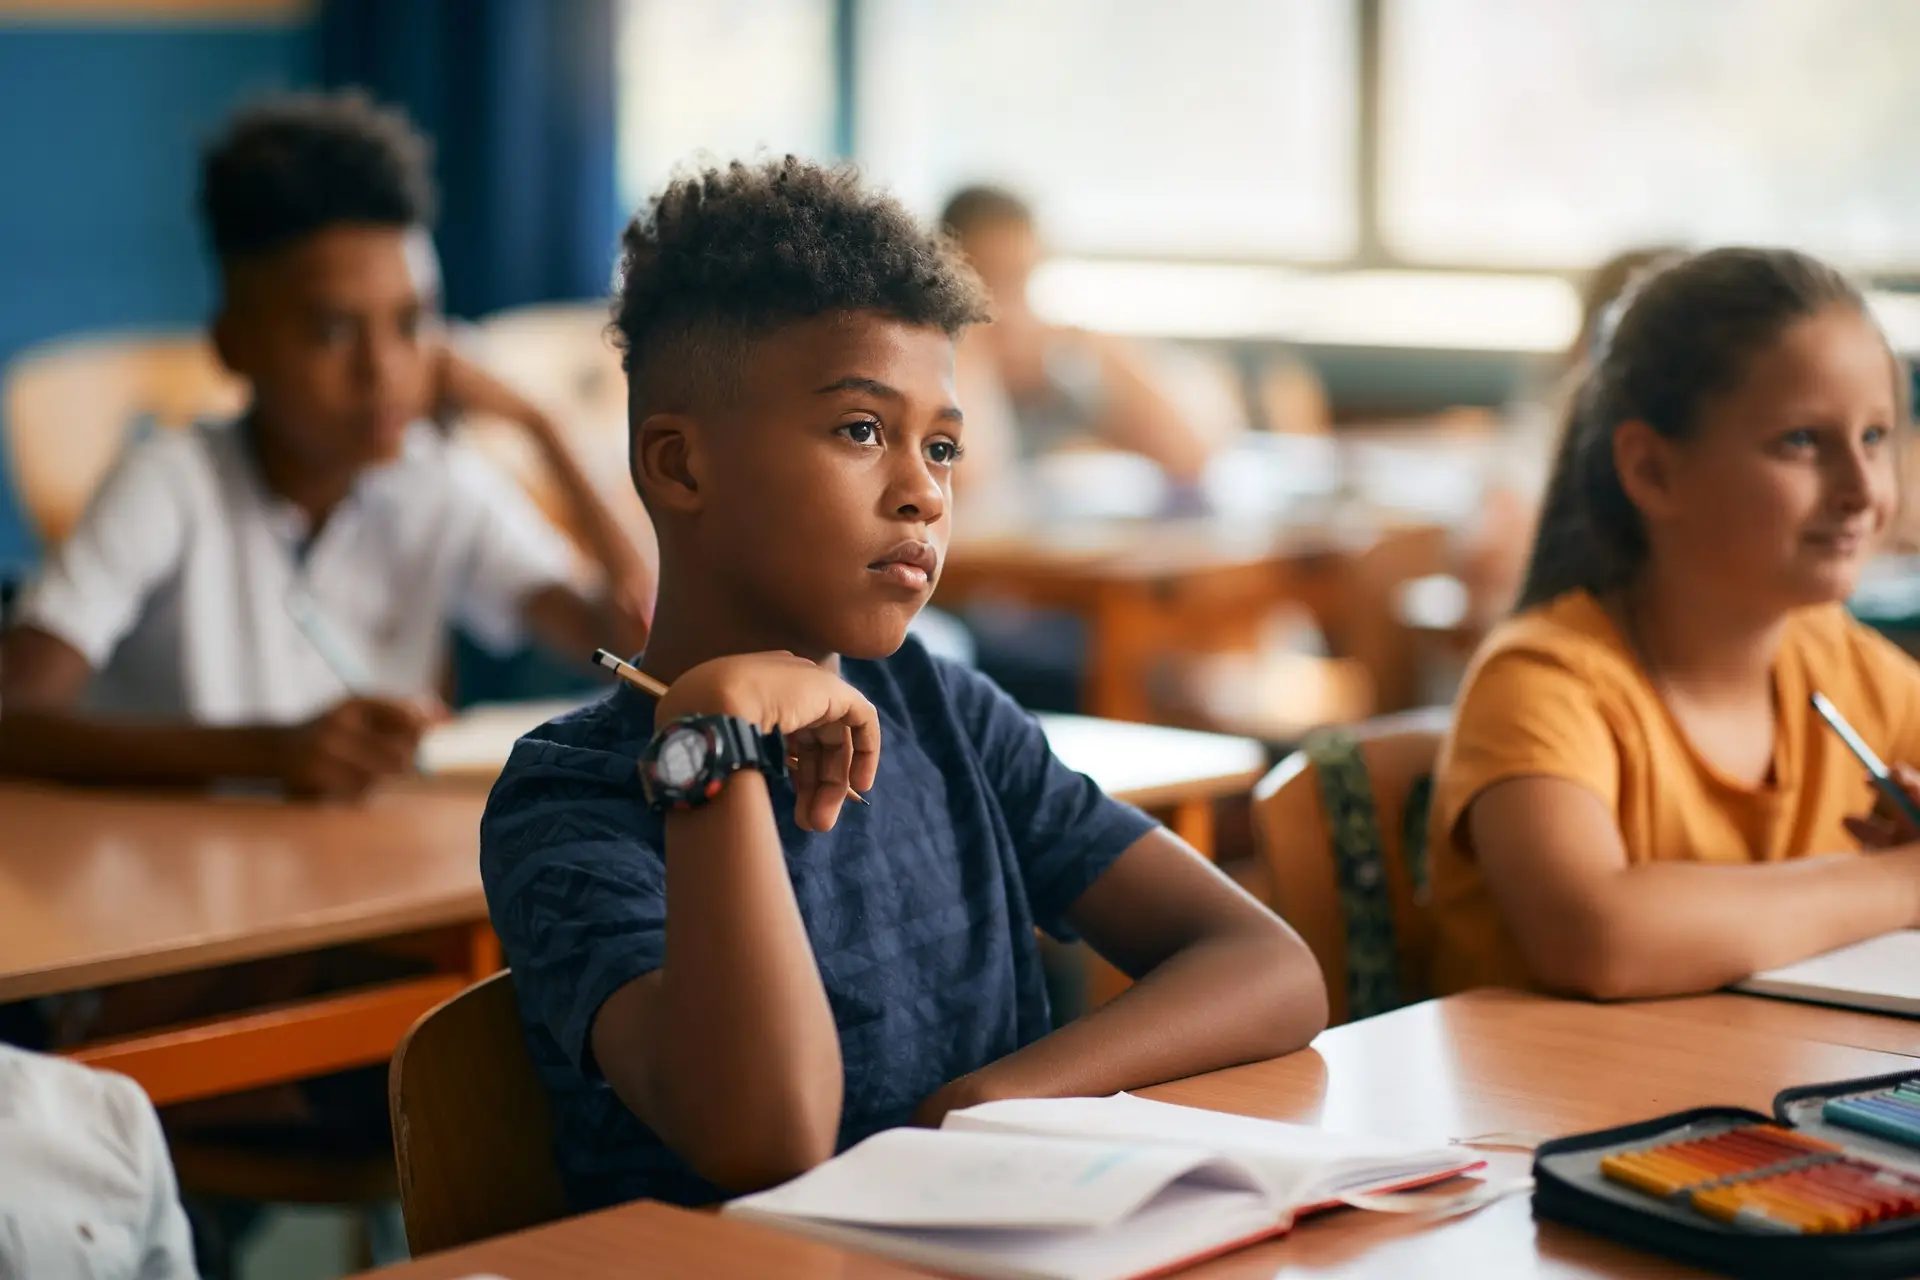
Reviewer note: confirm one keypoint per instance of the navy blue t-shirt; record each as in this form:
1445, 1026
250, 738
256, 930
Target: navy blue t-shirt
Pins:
920, 907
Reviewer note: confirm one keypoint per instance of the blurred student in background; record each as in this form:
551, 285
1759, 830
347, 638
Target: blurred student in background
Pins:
1034, 388
1636, 799
269, 598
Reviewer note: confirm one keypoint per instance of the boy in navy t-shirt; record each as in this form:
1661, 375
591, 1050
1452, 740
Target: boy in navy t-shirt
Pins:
828, 971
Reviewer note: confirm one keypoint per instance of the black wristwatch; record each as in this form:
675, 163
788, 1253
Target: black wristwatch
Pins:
690, 759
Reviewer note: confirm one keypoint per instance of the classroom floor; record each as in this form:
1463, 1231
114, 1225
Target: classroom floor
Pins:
299, 1243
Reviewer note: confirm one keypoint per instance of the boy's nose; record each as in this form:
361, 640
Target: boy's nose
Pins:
920, 495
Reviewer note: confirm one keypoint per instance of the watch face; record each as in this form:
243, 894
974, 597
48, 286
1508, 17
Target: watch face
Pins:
683, 758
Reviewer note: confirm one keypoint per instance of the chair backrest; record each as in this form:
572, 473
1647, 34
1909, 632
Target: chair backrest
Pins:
68, 406
472, 1127
1343, 830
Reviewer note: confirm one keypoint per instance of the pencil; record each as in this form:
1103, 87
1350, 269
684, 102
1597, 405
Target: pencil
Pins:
647, 684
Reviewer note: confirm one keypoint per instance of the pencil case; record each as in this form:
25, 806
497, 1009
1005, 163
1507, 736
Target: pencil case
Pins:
1828, 1185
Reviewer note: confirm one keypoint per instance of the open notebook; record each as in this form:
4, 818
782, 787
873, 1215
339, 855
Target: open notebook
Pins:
1882, 974
1084, 1188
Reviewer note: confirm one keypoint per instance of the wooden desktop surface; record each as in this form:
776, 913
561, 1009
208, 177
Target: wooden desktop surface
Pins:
1482, 1063
100, 887
1145, 591
1144, 764
1175, 772
1885, 1032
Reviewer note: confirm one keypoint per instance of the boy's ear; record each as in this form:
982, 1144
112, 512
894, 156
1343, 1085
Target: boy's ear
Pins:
667, 461
1643, 458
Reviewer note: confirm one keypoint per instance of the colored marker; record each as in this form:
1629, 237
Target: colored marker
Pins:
1865, 1116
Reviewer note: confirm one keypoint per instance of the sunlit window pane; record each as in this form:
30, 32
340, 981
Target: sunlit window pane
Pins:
1217, 128
706, 80
1516, 132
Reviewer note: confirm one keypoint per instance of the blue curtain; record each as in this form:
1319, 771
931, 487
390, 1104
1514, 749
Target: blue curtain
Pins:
519, 98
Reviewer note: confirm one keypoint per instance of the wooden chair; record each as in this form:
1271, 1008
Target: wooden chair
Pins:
1364, 622
472, 1128
1343, 829
68, 406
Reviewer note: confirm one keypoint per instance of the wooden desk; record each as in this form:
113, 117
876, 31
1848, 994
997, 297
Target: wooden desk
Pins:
1886, 1032
105, 887
1175, 773
98, 888
1151, 590
1473, 1064
1145, 591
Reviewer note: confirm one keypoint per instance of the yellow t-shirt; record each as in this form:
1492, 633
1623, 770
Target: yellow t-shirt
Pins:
1556, 692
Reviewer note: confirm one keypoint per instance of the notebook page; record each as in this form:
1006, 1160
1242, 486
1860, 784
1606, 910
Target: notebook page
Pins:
1298, 1165
1188, 1221
929, 1178
1881, 973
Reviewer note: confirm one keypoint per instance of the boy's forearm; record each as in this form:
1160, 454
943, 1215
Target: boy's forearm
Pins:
745, 1073
59, 746
1218, 1003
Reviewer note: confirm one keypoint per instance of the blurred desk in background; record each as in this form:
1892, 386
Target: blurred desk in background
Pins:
1175, 773
1151, 591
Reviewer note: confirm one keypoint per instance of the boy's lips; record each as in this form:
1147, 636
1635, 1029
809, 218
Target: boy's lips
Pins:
910, 565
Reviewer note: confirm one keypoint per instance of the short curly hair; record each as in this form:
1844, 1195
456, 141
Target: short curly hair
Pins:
294, 164
724, 256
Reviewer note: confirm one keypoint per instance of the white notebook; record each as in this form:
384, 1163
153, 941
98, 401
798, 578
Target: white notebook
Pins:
1882, 974
1084, 1188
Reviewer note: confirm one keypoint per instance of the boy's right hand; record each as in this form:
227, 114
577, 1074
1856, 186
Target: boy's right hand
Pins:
832, 731
341, 753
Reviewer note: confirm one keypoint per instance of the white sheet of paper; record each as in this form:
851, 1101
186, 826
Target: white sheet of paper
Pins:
1881, 973
1297, 1165
1184, 1222
922, 1178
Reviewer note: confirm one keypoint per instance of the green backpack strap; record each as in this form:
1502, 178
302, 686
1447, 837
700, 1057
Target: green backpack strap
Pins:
1415, 824
1366, 898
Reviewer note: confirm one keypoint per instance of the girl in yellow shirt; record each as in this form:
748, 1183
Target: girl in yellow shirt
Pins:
1636, 798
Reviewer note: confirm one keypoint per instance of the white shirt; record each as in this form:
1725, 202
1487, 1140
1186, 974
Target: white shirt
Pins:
86, 1188
179, 585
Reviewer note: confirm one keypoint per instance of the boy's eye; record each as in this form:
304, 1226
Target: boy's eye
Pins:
1804, 438
1874, 436
865, 431
943, 452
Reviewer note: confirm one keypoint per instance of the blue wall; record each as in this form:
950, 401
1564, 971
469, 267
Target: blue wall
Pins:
100, 127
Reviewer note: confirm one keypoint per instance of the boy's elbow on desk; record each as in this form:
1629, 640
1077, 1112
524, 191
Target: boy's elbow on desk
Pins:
754, 1152
1302, 994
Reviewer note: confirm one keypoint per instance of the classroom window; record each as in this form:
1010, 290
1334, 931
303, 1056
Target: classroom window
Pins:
1217, 128
720, 80
1516, 133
